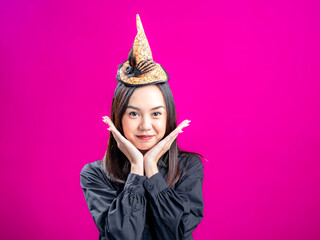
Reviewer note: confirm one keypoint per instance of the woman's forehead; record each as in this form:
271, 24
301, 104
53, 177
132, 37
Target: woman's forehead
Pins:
148, 96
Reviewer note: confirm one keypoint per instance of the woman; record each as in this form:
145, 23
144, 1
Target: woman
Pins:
145, 187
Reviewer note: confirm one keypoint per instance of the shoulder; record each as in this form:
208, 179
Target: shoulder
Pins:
92, 173
190, 163
190, 160
91, 168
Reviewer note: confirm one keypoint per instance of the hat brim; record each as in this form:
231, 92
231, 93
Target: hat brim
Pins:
157, 75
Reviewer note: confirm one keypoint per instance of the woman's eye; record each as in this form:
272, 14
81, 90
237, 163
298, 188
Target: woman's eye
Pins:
134, 114
157, 114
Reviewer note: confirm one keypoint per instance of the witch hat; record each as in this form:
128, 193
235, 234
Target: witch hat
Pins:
140, 69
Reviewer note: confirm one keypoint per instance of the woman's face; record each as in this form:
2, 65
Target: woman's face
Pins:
144, 121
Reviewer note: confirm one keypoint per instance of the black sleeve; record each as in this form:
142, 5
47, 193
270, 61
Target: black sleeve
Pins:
176, 213
117, 216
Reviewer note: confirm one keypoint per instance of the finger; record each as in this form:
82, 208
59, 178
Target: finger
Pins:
116, 137
166, 143
112, 127
174, 134
178, 129
108, 121
121, 141
169, 143
182, 125
116, 134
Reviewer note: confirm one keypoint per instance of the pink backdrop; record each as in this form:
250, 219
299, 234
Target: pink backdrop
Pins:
245, 72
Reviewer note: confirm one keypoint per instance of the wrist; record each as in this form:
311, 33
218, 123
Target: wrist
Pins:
151, 169
137, 169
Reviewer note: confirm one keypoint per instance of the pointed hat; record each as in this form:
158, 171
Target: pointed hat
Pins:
140, 69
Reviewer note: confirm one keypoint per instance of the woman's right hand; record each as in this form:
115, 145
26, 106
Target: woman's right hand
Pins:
132, 153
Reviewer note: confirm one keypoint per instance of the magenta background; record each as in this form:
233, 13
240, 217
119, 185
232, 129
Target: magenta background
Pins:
245, 72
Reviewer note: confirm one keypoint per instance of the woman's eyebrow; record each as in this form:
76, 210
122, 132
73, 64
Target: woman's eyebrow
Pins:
158, 107
129, 106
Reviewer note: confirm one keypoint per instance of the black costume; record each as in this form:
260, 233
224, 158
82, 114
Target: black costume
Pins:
145, 208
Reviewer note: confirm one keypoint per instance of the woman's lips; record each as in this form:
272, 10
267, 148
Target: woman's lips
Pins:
145, 137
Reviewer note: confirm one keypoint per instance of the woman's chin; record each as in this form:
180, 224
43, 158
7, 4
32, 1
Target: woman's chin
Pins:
145, 147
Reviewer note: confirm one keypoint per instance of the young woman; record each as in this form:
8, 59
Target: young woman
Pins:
145, 187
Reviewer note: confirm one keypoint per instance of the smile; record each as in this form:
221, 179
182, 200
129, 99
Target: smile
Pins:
145, 137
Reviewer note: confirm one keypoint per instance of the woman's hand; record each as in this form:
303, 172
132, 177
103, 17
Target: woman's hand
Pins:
132, 153
151, 158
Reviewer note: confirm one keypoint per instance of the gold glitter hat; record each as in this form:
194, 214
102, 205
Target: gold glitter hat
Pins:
140, 69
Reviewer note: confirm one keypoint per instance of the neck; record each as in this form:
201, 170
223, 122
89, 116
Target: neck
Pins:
143, 152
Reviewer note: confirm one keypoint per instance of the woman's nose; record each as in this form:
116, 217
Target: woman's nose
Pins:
145, 124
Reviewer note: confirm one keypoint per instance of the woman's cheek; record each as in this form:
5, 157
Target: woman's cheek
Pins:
162, 126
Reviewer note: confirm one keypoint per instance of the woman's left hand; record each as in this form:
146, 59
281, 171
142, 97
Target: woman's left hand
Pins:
151, 158
134, 156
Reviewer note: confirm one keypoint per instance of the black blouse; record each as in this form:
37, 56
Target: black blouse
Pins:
145, 208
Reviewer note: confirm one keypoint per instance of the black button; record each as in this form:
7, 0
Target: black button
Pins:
129, 69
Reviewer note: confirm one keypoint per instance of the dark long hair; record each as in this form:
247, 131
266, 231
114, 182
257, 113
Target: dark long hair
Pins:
115, 163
